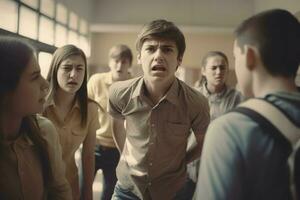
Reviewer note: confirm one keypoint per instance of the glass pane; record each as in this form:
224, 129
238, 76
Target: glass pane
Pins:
31, 3
72, 38
47, 7
60, 35
61, 13
73, 22
44, 62
46, 33
84, 45
83, 27
28, 22
8, 15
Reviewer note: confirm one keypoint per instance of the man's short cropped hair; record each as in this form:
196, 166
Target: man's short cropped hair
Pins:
276, 35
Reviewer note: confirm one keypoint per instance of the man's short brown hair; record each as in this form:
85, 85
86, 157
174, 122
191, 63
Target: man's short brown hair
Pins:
120, 51
162, 29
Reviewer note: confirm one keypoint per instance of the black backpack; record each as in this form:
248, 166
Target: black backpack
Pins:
271, 118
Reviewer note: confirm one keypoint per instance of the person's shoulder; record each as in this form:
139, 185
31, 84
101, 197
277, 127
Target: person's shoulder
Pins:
98, 76
125, 85
234, 95
192, 95
93, 105
190, 90
47, 128
234, 125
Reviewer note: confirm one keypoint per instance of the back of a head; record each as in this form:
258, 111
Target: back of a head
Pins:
15, 56
162, 29
121, 51
276, 34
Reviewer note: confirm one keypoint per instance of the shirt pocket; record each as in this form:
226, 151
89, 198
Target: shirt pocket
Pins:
177, 129
175, 137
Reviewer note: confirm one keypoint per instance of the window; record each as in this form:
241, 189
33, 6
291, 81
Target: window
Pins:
44, 62
47, 24
9, 15
31, 3
84, 45
72, 38
28, 22
83, 27
61, 13
73, 21
46, 30
60, 35
47, 7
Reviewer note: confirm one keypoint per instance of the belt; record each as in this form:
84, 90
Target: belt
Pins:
104, 148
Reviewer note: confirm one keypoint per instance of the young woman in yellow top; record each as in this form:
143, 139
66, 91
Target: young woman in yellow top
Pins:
31, 165
73, 114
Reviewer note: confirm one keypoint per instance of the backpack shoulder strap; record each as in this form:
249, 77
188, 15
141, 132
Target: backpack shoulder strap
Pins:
276, 122
278, 119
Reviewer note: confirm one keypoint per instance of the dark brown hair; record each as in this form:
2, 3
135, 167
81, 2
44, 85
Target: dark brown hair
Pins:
276, 34
15, 56
162, 29
59, 56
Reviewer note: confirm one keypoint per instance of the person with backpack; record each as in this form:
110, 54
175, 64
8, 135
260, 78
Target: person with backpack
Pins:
246, 156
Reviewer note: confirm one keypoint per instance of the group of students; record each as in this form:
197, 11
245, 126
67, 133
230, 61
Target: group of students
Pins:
143, 147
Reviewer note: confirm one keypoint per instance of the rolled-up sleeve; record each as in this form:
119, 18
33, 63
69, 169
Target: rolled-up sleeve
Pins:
114, 107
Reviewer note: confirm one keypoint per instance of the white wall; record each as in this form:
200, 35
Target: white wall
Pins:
183, 12
82, 7
291, 5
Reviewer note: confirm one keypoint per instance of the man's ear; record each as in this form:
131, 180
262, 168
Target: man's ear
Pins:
251, 57
179, 61
203, 71
138, 58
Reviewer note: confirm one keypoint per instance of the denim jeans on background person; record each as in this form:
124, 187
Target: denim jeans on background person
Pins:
185, 193
107, 159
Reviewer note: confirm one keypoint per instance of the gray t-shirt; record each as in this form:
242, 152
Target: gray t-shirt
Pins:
221, 102
241, 161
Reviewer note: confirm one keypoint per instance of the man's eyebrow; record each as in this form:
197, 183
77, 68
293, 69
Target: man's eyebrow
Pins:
168, 45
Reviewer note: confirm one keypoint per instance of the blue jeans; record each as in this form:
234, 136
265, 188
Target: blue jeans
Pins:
185, 193
107, 160
123, 194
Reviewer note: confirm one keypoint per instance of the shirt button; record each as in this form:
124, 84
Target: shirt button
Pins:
149, 184
150, 164
153, 125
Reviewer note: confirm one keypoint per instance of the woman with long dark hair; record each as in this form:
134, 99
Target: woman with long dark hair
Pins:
31, 165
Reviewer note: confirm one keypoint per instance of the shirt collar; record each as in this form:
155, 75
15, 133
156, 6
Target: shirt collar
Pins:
52, 104
139, 89
217, 95
171, 95
108, 79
